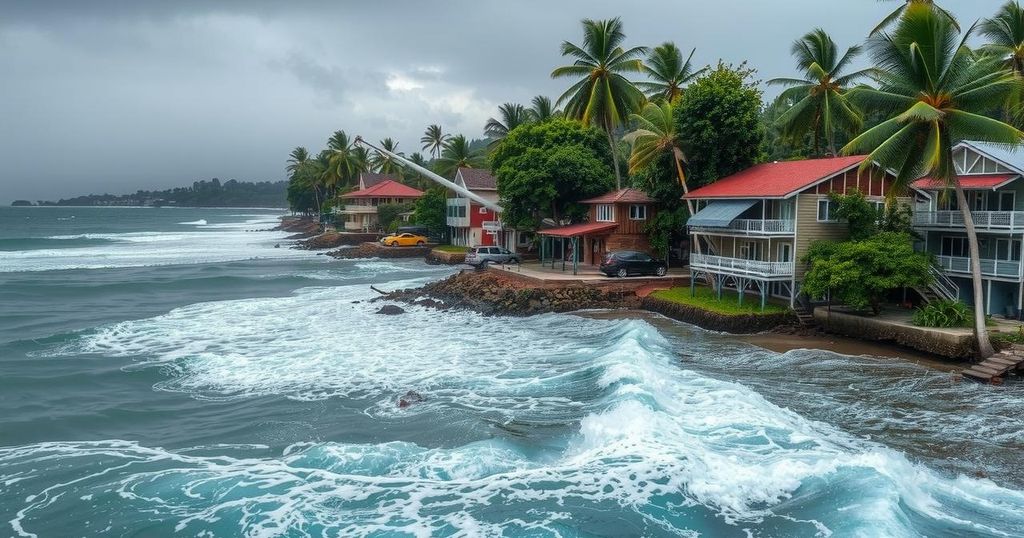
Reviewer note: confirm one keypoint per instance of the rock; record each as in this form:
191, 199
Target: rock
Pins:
410, 398
391, 310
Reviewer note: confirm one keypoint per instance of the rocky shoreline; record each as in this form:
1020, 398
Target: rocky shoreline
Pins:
376, 250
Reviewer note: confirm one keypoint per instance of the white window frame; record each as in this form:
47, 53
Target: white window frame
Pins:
482, 210
637, 212
964, 247
830, 206
605, 213
786, 248
1013, 200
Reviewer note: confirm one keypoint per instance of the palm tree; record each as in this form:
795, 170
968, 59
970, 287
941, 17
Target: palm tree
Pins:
296, 160
412, 175
602, 95
541, 108
668, 72
819, 99
1005, 32
890, 18
936, 93
512, 115
346, 160
385, 164
433, 140
656, 134
458, 154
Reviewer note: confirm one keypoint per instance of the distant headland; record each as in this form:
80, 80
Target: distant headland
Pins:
212, 193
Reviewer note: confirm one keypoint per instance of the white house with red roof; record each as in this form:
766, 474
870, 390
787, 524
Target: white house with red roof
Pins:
752, 227
991, 176
472, 224
360, 209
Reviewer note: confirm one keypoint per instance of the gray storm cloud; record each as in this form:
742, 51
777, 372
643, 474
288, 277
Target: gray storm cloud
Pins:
114, 96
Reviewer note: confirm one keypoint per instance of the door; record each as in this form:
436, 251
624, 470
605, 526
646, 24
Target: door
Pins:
1007, 200
785, 252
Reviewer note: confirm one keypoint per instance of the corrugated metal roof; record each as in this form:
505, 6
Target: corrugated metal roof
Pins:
719, 213
975, 182
477, 179
775, 180
386, 189
621, 196
579, 229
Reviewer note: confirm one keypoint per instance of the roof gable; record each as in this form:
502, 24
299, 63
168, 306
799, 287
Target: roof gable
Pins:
780, 179
621, 196
386, 189
972, 157
369, 179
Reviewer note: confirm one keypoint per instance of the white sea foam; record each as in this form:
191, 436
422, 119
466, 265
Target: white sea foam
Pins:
200, 222
672, 449
214, 243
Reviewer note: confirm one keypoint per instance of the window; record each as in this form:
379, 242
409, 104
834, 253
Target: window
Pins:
979, 201
785, 252
826, 211
1007, 250
483, 210
1007, 200
954, 246
606, 213
462, 211
637, 212
750, 250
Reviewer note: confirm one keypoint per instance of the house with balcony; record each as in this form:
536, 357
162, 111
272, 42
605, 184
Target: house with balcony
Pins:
472, 224
990, 175
360, 209
751, 228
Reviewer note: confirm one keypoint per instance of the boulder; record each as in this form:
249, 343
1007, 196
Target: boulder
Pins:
390, 310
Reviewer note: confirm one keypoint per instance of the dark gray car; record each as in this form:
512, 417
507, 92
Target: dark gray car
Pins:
484, 255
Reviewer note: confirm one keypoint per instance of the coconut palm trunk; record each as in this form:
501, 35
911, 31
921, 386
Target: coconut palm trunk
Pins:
615, 155
980, 330
686, 190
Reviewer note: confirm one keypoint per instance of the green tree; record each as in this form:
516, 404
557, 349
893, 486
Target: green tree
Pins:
657, 134
1005, 34
936, 92
456, 154
898, 12
414, 177
860, 273
433, 140
668, 72
719, 119
389, 215
602, 94
431, 211
660, 181
347, 161
512, 115
544, 169
385, 164
819, 98
541, 109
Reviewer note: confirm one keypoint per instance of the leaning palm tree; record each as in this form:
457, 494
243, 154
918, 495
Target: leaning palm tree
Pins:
296, 160
512, 115
668, 72
936, 93
819, 98
433, 140
898, 12
346, 161
456, 154
602, 94
541, 108
1005, 33
655, 136
383, 163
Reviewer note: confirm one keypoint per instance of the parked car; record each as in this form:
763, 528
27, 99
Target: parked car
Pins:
484, 255
623, 263
403, 240
417, 230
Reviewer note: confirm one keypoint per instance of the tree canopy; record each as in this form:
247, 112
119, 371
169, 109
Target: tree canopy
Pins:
544, 169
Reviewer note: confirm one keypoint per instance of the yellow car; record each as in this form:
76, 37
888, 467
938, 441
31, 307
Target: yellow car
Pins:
404, 240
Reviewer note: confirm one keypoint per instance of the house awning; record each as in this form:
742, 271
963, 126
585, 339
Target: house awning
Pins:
720, 213
967, 182
579, 229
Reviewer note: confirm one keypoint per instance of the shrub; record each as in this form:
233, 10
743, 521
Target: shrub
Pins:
944, 314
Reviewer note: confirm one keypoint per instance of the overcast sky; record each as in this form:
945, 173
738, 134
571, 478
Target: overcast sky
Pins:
117, 95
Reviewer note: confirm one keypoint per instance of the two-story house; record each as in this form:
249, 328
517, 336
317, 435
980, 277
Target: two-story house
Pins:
752, 228
360, 209
615, 221
990, 175
473, 224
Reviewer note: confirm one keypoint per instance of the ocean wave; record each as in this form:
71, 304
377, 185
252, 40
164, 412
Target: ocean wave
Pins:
200, 222
626, 430
50, 243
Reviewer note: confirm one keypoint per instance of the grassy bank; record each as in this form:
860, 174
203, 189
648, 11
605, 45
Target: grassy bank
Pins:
451, 248
728, 305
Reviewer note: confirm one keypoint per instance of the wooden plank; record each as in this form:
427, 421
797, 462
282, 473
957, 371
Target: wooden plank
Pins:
1004, 361
986, 369
977, 375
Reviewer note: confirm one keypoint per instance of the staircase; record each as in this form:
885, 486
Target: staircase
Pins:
941, 288
804, 311
995, 368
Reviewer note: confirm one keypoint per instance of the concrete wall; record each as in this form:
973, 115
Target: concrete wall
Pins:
942, 342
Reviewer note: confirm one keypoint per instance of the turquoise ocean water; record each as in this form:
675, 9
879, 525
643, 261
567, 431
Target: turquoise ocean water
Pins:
170, 372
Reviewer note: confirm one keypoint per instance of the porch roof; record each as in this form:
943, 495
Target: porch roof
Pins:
580, 229
720, 213
974, 182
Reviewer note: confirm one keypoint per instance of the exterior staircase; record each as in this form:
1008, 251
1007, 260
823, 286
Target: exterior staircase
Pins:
996, 367
941, 288
804, 311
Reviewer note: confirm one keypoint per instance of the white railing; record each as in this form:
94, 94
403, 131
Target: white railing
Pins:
983, 220
989, 267
943, 286
353, 226
756, 226
363, 209
740, 266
